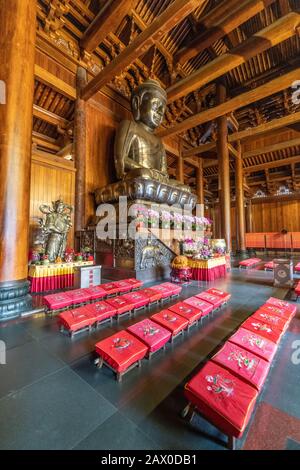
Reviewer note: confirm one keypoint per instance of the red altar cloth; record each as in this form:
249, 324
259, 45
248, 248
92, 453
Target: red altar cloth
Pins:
208, 274
48, 283
44, 278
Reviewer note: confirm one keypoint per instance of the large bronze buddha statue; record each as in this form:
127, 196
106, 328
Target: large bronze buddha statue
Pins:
138, 151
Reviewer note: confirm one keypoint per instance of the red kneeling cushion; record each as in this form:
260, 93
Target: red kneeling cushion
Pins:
151, 333
200, 304
76, 319
173, 287
121, 350
165, 291
152, 294
121, 304
134, 282
102, 310
224, 295
263, 329
297, 267
172, 322
211, 299
110, 288
282, 304
78, 296
226, 401
123, 286
255, 343
269, 265
281, 312
249, 262
244, 364
137, 299
95, 292
190, 313
57, 301
273, 320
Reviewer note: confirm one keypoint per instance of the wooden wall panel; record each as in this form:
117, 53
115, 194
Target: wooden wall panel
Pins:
102, 121
48, 183
275, 216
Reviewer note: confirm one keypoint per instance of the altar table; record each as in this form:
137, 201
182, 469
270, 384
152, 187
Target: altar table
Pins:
208, 270
49, 277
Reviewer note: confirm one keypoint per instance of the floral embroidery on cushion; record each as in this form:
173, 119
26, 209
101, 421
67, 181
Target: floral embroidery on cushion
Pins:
121, 343
260, 327
150, 330
170, 318
254, 341
185, 309
272, 319
242, 359
100, 308
219, 384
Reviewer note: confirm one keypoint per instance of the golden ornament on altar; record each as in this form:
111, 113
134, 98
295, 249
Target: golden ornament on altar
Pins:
180, 262
58, 260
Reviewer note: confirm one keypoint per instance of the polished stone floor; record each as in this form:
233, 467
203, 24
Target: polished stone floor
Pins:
53, 397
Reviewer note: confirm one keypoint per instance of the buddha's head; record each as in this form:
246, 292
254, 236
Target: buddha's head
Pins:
148, 104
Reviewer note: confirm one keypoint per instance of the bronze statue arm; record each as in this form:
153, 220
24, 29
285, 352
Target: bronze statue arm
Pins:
164, 166
123, 142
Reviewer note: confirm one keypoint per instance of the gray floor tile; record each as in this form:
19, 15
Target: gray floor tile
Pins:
54, 413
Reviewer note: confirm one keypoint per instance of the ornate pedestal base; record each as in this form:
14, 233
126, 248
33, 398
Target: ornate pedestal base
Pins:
145, 189
14, 299
147, 257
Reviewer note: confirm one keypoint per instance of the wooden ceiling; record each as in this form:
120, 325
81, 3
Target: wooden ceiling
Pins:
187, 46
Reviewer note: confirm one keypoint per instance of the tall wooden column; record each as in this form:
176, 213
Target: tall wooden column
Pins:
200, 186
224, 170
239, 197
80, 151
17, 50
249, 217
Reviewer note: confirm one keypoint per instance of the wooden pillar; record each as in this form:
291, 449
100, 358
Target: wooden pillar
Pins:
224, 171
239, 197
80, 151
249, 217
17, 51
200, 187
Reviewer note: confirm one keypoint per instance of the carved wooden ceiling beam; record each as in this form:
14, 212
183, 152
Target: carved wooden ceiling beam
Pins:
173, 15
277, 32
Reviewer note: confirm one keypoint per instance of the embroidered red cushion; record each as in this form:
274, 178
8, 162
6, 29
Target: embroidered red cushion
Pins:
152, 294
282, 304
273, 320
255, 343
244, 364
95, 292
224, 295
57, 301
211, 299
263, 329
121, 304
137, 299
151, 333
202, 305
190, 313
225, 400
76, 319
171, 321
110, 288
102, 310
121, 350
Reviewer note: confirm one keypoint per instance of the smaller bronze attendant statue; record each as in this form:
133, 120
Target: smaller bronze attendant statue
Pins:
55, 228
